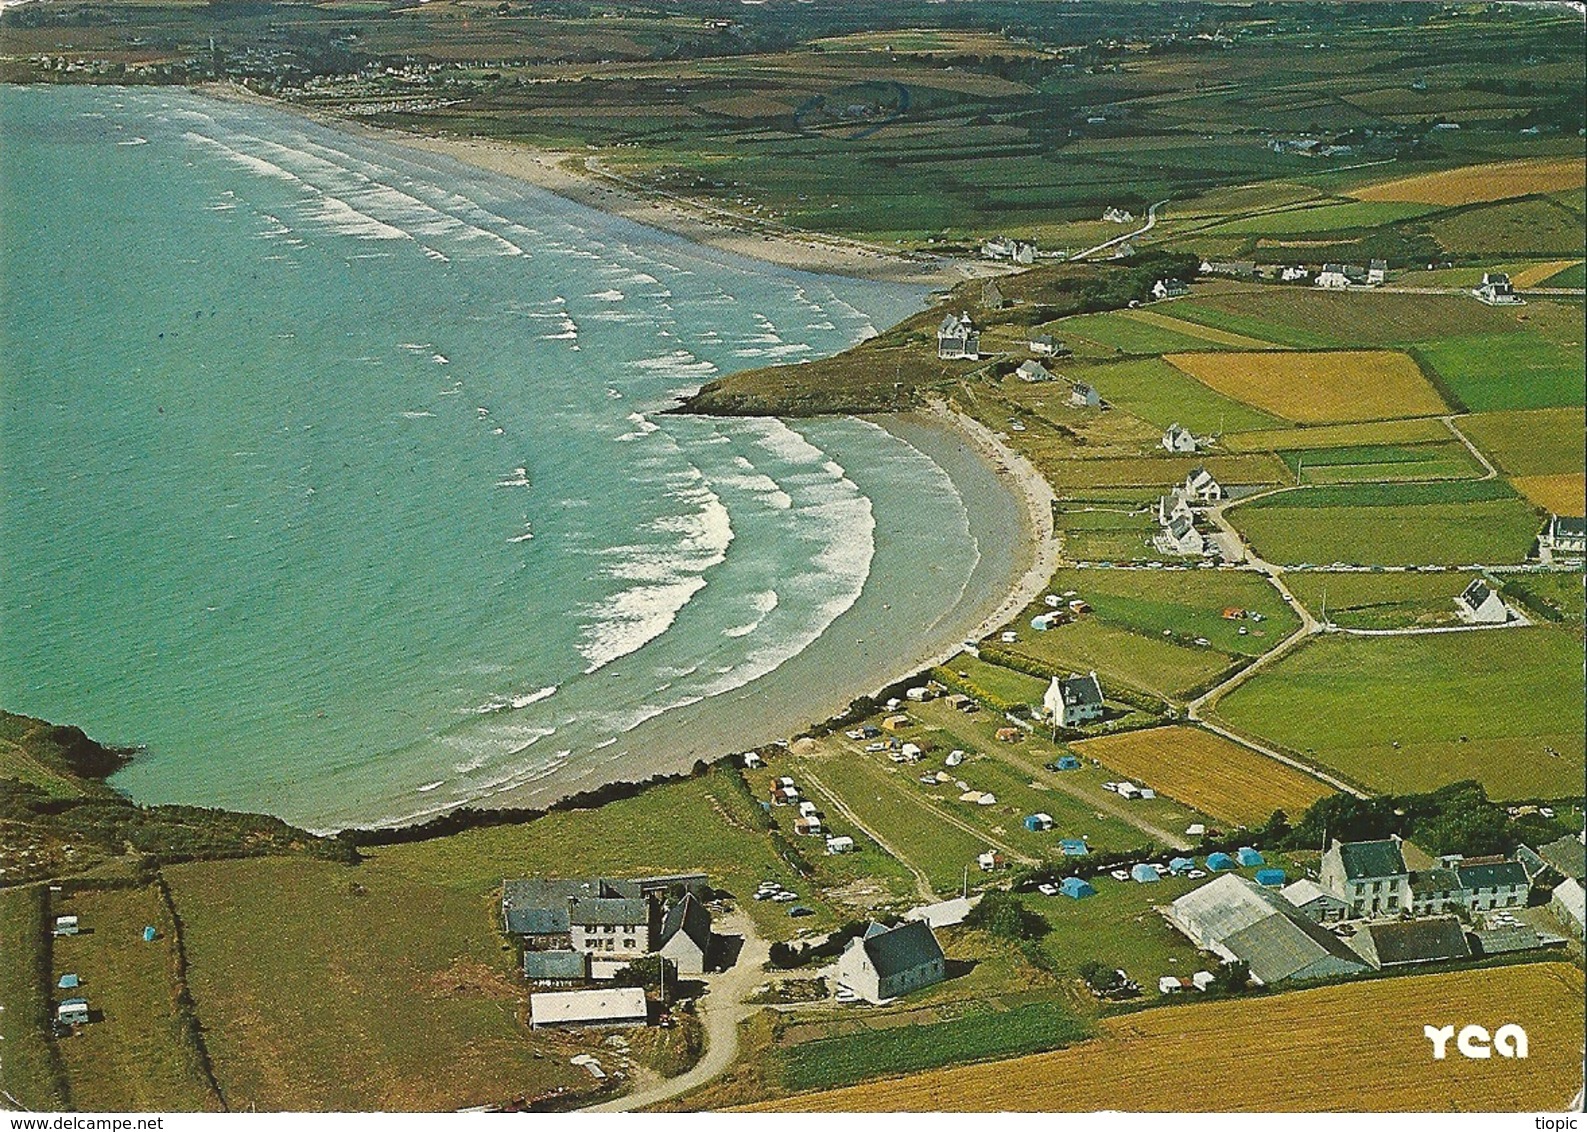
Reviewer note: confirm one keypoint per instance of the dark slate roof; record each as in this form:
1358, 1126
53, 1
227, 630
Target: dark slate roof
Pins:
1365, 859
539, 966
691, 918
1567, 855
1476, 593
605, 910
903, 948
1418, 941
1424, 881
1497, 941
1080, 690
1285, 943
1501, 873
1569, 525
536, 906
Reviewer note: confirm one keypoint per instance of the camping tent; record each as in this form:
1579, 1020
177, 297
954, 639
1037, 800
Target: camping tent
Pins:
1144, 874
1248, 857
1217, 861
1270, 878
1068, 762
1076, 889
1181, 864
1035, 823
1073, 847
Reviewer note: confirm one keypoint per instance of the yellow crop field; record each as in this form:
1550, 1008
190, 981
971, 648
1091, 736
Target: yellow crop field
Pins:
1318, 388
1472, 184
1355, 1047
1196, 330
1218, 777
1563, 494
1421, 430
1534, 274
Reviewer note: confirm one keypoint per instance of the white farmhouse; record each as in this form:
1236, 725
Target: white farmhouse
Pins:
1332, 277
1565, 537
1480, 604
1180, 537
1073, 700
958, 339
887, 962
1201, 487
1173, 506
1370, 876
1032, 371
1179, 439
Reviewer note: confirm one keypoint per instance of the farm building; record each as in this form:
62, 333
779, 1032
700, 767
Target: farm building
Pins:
610, 1006
1370, 876
1180, 537
1084, 396
1169, 289
1270, 878
992, 296
1179, 439
1235, 269
1073, 847
72, 1012
1217, 862
1332, 277
1144, 874
1567, 856
1076, 889
1496, 290
1038, 823
1492, 882
686, 935
887, 962
1073, 700
556, 968
1046, 346
1481, 604
1399, 943
943, 914
1248, 857
836, 845
1200, 487
1565, 537
1377, 272
1314, 902
958, 339
1236, 919
1032, 371
1569, 905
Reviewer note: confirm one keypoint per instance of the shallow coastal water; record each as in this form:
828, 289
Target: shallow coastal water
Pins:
333, 473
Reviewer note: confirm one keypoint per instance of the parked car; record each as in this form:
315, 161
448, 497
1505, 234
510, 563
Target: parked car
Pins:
1120, 874
1047, 889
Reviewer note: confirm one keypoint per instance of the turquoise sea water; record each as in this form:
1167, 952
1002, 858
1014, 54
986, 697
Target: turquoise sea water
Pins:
331, 472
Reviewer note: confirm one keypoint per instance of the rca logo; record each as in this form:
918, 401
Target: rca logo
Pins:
1475, 1042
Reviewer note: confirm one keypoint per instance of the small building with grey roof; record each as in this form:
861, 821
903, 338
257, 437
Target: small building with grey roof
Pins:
887, 962
1400, 943
686, 935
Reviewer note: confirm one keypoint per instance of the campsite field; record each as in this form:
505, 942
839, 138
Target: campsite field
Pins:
1398, 600
1410, 713
1221, 779
1471, 184
140, 1054
327, 987
33, 1072
1123, 656
1318, 388
1284, 1060
1453, 524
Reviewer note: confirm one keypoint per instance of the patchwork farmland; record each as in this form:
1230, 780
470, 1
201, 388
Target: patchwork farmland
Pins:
1319, 388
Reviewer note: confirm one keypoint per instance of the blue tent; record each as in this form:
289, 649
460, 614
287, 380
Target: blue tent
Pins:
1068, 762
1144, 874
1270, 878
1073, 847
1038, 822
1218, 861
1248, 857
149, 934
1181, 864
68, 982
1076, 889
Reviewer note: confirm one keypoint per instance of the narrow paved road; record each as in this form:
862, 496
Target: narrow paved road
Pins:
722, 1008
1489, 471
1151, 222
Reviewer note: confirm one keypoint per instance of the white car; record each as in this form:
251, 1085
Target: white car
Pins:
786, 897
1119, 874
1111, 786
1047, 889
875, 747
1195, 874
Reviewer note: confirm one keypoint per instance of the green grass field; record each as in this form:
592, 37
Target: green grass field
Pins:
1530, 443
1122, 656
1413, 713
139, 1054
1309, 317
1316, 437
1508, 371
1369, 463
1573, 276
33, 1072
1335, 217
357, 989
1392, 524
1552, 596
1381, 601
975, 1035
1158, 393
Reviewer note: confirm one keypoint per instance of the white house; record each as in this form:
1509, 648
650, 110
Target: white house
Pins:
958, 339
1180, 536
1313, 901
686, 935
1480, 604
1179, 439
1173, 506
1201, 487
1084, 396
887, 962
1032, 371
1073, 700
1369, 876
1169, 289
1294, 274
1565, 537
1496, 290
1046, 346
1377, 272
1332, 277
